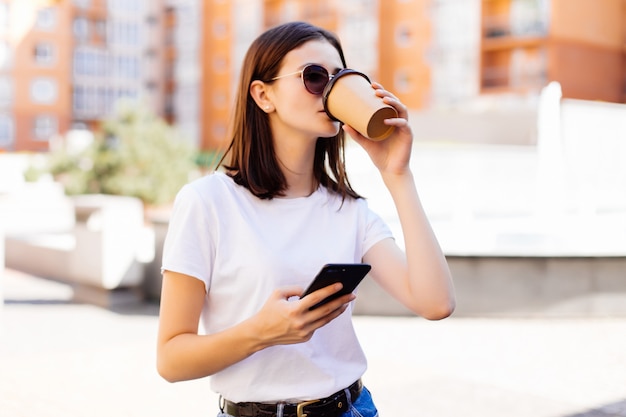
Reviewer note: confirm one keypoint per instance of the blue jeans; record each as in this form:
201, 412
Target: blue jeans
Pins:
362, 407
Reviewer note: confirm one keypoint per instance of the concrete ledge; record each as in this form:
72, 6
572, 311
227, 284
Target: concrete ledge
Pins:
541, 286
522, 287
102, 256
52, 258
102, 297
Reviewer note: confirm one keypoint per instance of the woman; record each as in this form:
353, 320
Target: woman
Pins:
244, 242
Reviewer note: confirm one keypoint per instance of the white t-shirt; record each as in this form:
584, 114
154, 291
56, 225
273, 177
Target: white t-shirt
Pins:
243, 248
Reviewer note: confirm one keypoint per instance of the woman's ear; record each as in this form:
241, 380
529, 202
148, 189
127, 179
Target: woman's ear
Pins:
259, 93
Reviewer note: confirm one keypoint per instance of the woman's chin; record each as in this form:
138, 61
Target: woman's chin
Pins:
332, 132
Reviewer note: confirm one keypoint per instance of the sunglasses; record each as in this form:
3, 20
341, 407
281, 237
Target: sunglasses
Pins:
314, 77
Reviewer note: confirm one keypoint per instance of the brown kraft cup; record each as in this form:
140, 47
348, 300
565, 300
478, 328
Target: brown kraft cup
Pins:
350, 99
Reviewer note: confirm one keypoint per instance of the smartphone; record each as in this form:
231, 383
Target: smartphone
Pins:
350, 275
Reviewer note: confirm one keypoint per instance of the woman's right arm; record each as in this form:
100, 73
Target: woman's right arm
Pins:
183, 354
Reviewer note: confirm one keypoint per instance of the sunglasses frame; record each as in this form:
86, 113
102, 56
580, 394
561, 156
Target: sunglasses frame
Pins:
301, 72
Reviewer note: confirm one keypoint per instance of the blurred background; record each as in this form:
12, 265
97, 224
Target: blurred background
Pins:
107, 107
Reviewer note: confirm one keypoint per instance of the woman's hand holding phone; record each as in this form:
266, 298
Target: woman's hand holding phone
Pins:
283, 322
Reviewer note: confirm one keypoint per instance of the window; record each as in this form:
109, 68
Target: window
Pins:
45, 126
120, 6
90, 62
6, 131
80, 28
402, 81
102, 64
124, 33
82, 3
529, 17
44, 53
127, 67
4, 17
101, 93
220, 64
6, 55
85, 100
152, 20
403, 36
44, 90
79, 62
46, 18
110, 100
6, 91
220, 29
89, 100
78, 99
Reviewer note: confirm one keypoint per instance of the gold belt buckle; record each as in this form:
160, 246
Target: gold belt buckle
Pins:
300, 407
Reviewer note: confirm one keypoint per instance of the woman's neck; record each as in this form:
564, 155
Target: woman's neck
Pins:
296, 163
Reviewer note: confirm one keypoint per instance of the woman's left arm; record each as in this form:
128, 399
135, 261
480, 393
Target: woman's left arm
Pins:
419, 278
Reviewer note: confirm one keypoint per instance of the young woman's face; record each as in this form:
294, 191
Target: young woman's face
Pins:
297, 111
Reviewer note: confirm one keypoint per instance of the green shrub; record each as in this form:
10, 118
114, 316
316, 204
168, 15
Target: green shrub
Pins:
135, 154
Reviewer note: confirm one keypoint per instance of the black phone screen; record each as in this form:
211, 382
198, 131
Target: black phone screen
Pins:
350, 275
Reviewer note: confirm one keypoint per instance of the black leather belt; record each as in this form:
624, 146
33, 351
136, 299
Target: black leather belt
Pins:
332, 406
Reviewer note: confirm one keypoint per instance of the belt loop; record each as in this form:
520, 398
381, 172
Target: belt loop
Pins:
222, 403
348, 396
279, 409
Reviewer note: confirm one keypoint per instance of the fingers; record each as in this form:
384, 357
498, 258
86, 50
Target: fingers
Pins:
327, 318
287, 320
392, 100
325, 313
317, 296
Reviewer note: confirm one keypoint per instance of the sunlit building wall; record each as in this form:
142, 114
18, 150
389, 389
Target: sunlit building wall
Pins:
228, 29
579, 43
357, 27
116, 54
35, 56
354, 21
65, 63
405, 37
322, 13
454, 53
183, 21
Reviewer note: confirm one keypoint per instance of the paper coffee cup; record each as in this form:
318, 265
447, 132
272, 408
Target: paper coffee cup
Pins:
350, 98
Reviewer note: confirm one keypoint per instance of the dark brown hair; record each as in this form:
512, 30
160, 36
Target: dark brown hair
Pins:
251, 158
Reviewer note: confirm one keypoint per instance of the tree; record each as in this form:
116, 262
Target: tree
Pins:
136, 153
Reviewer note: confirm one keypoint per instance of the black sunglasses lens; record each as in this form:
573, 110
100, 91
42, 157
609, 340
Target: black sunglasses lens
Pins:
315, 79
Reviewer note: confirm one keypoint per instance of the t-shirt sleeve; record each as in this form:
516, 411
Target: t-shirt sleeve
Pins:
375, 228
189, 246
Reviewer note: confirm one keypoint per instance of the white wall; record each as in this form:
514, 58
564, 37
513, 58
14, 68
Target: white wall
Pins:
594, 146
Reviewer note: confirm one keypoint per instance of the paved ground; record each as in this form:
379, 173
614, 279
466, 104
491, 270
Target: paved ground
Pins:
63, 359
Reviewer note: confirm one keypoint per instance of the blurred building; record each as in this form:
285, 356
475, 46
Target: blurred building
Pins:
452, 56
580, 43
64, 63
182, 21
35, 70
207, 41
